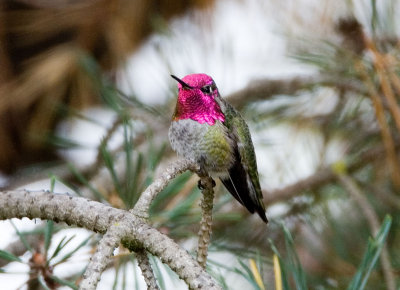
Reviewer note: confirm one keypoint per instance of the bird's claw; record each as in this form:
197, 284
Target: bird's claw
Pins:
201, 187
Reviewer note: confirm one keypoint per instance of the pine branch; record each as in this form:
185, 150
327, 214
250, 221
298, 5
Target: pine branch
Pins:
373, 220
147, 271
142, 206
324, 176
206, 205
99, 218
99, 261
266, 88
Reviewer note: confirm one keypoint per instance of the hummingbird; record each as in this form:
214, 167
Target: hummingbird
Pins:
208, 131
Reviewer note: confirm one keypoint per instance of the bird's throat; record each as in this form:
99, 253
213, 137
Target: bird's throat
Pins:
198, 110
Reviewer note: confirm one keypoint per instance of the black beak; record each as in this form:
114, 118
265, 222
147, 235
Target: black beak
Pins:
185, 85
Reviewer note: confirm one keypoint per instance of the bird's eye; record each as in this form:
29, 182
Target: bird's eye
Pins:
207, 89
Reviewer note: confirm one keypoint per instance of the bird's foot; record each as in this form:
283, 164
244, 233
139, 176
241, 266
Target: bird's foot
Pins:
201, 186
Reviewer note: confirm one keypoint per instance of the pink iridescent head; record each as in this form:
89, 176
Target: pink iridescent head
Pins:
197, 99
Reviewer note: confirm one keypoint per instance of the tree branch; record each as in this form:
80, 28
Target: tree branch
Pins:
323, 177
373, 220
98, 217
141, 208
206, 205
147, 271
266, 88
99, 261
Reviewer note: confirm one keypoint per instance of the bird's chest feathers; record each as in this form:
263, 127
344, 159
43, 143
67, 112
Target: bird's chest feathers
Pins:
209, 145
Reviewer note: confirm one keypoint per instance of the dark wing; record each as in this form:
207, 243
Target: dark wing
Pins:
243, 182
238, 183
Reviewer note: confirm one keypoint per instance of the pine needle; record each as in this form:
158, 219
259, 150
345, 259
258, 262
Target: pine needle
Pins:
256, 274
277, 272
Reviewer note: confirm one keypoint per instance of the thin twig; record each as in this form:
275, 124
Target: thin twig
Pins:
100, 259
141, 208
264, 89
147, 271
324, 176
380, 65
380, 116
395, 81
206, 205
373, 221
110, 132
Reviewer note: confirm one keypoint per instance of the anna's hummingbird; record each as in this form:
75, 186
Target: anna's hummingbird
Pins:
210, 132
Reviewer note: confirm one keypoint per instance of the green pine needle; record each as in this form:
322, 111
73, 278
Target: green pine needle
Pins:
9, 256
371, 256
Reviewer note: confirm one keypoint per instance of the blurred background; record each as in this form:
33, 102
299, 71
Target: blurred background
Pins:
85, 105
